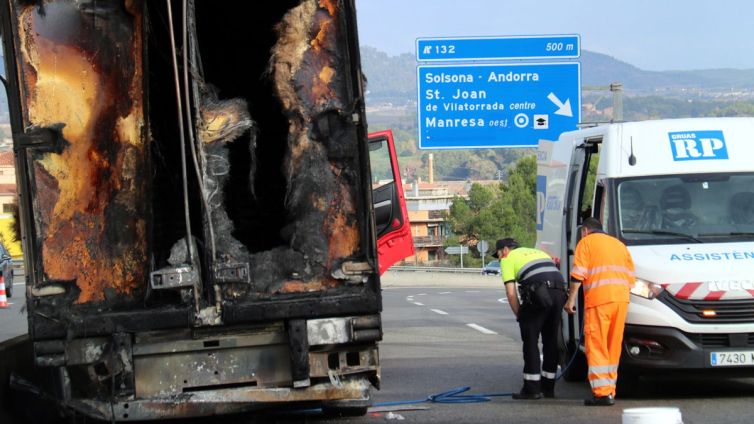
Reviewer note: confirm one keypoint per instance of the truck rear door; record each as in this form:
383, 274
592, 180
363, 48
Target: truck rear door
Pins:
392, 227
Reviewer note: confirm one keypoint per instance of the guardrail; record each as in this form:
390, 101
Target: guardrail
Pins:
436, 269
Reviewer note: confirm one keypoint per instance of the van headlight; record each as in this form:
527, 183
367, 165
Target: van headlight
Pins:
646, 289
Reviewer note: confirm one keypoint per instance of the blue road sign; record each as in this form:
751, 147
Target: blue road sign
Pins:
490, 48
485, 106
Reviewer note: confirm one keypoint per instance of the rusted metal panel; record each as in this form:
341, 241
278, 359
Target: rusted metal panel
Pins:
368, 361
80, 71
217, 402
170, 364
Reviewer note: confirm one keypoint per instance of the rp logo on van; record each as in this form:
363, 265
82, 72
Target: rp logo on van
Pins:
698, 145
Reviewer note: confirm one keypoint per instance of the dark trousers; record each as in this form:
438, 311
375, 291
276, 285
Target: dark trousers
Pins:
534, 321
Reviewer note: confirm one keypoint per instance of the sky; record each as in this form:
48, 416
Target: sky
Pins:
656, 35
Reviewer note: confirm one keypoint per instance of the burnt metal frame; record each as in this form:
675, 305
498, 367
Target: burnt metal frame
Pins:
84, 322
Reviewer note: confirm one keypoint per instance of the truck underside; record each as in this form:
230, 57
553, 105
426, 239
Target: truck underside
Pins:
195, 201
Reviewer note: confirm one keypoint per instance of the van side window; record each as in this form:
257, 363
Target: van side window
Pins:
603, 206
587, 208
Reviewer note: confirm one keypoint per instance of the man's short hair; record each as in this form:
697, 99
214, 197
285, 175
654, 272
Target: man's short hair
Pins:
592, 224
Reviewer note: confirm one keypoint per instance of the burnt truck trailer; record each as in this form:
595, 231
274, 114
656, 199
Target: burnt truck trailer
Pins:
196, 204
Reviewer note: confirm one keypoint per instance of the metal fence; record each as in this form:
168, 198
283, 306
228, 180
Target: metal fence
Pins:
436, 269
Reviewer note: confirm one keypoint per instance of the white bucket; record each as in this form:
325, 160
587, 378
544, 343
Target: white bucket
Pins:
662, 415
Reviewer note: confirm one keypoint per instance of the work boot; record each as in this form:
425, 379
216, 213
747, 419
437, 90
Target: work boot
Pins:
523, 395
529, 391
600, 401
548, 387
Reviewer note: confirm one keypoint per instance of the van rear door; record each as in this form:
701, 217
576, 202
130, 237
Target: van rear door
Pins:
392, 228
562, 168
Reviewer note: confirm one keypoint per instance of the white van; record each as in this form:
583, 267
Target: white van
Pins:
680, 194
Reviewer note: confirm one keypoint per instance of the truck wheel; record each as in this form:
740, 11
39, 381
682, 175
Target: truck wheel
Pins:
344, 411
578, 369
346, 408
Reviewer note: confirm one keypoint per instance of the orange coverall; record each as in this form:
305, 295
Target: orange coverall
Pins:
604, 266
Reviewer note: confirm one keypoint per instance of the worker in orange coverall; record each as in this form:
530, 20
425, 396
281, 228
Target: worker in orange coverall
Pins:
603, 266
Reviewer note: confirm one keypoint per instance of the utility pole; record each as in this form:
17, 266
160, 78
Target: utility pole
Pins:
617, 89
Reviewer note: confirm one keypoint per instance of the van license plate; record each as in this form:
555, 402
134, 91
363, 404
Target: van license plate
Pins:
731, 359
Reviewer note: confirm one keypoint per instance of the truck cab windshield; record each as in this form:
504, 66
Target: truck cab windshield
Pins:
686, 208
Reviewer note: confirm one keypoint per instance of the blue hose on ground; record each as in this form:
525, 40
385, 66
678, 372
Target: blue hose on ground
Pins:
455, 396
451, 396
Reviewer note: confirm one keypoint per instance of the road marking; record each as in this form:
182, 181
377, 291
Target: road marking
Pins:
422, 294
481, 329
418, 304
438, 311
503, 300
445, 293
472, 291
18, 284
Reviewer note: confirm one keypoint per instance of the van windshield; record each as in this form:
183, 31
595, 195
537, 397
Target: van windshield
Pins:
700, 208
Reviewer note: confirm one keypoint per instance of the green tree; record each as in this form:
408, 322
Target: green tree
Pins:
501, 210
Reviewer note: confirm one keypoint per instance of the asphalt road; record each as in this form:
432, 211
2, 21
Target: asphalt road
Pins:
13, 319
444, 331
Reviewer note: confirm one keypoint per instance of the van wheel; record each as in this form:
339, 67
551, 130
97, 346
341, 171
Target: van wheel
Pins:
628, 383
578, 368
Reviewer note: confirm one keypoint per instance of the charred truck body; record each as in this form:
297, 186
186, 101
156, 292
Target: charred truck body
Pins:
196, 204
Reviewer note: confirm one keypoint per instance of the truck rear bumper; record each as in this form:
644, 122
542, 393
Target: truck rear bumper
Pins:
222, 401
664, 349
213, 371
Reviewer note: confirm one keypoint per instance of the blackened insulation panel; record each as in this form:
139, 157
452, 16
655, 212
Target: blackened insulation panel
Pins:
311, 68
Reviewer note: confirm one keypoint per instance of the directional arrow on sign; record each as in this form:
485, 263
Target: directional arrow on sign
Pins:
563, 108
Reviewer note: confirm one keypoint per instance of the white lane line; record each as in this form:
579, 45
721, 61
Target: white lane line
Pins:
472, 291
503, 300
445, 293
418, 304
18, 284
422, 294
438, 311
481, 329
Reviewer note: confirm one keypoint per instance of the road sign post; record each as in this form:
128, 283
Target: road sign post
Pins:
457, 250
501, 105
482, 247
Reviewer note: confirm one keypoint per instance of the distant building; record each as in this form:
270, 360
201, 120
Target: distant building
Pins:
427, 204
7, 182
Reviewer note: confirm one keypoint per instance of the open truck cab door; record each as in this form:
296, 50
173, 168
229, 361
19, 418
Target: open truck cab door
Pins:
562, 170
392, 229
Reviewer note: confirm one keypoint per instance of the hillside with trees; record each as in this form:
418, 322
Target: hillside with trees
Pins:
507, 209
391, 102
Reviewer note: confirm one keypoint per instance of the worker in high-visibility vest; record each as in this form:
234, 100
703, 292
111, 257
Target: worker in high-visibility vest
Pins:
543, 295
603, 266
